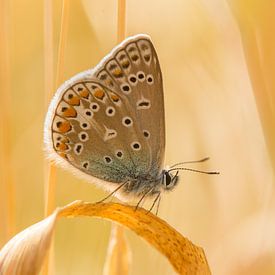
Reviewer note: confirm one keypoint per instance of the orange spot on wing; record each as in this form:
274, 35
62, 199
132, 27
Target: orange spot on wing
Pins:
117, 73
75, 101
65, 140
62, 147
84, 93
114, 97
109, 82
61, 154
125, 64
99, 93
64, 126
70, 112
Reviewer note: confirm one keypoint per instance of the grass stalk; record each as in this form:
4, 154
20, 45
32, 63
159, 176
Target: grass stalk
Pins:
50, 182
8, 194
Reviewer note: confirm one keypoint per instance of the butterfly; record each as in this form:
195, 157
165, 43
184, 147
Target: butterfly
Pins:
107, 124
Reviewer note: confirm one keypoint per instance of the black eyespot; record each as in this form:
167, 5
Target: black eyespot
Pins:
131, 49
57, 144
144, 47
70, 96
126, 88
136, 145
127, 121
94, 107
83, 136
119, 154
79, 89
112, 66
84, 125
122, 57
146, 133
88, 113
85, 165
103, 76
141, 76
125, 64
110, 111
147, 57
143, 104
78, 148
59, 138
107, 159
135, 57
150, 79
133, 79
58, 124
64, 109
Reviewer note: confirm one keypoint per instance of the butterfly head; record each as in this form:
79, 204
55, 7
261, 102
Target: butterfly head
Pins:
169, 181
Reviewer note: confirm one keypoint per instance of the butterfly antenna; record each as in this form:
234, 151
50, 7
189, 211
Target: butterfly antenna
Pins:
194, 170
192, 161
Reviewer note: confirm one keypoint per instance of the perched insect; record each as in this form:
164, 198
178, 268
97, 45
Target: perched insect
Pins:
107, 123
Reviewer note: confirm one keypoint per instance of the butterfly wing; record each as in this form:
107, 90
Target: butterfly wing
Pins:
132, 69
108, 123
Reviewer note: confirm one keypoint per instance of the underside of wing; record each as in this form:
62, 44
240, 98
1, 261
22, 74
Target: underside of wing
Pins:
132, 69
108, 122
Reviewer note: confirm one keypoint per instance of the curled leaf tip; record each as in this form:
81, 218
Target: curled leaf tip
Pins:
185, 257
24, 254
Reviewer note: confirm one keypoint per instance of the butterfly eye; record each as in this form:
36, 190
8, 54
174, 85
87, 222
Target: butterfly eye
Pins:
169, 181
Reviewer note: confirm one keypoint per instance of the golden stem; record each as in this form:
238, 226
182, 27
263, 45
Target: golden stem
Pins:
8, 195
121, 19
114, 264
50, 183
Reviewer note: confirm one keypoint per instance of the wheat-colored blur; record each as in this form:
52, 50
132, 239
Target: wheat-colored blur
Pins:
217, 59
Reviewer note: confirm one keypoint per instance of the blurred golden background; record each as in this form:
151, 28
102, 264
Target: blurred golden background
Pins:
217, 59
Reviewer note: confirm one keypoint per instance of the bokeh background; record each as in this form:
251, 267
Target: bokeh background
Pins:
217, 59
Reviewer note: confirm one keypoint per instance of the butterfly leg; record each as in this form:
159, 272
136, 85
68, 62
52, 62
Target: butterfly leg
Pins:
158, 205
112, 193
156, 199
143, 196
